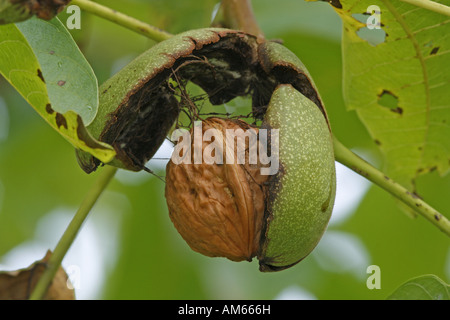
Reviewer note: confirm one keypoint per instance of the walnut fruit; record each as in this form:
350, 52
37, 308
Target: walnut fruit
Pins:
239, 209
232, 210
218, 208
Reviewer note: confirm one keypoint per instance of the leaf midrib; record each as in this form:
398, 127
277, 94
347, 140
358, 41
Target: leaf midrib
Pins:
421, 59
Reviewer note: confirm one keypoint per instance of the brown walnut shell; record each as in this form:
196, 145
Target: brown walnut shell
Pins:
218, 209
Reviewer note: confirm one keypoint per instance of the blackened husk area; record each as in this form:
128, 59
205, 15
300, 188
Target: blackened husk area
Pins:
230, 69
224, 70
138, 128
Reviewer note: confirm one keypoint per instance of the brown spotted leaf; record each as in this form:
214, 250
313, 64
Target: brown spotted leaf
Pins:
62, 90
18, 285
397, 79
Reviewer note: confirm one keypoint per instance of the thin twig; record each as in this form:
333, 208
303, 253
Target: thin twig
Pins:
354, 162
430, 5
71, 232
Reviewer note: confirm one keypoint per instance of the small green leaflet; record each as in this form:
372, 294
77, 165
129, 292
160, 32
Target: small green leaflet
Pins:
426, 287
399, 86
43, 63
71, 82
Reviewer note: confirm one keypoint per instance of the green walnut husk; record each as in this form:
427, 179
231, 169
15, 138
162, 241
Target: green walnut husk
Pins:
137, 106
301, 195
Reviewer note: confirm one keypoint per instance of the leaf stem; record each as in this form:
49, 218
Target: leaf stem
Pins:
360, 166
430, 5
71, 232
119, 18
238, 15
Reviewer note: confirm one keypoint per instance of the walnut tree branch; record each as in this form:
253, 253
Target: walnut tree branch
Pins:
238, 15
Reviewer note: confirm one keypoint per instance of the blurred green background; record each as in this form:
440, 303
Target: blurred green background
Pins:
128, 249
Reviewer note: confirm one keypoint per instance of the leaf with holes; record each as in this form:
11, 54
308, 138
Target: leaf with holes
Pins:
43, 63
426, 287
397, 78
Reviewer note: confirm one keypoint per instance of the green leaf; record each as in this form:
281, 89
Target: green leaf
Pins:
426, 287
35, 70
397, 79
